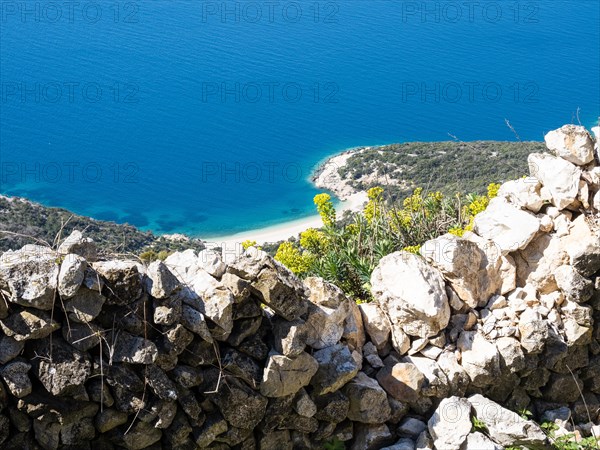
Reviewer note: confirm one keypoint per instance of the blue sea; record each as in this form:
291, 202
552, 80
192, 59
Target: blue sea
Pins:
207, 117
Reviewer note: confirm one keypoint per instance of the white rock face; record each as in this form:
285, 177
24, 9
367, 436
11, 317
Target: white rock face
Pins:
160, 281
524, 193
324, 293
559, 177
450, 424
536, 263
412, 293
458, 379
325, 326
436, 380
511, 352
284, 375
79, 245
509, 227
211, 261
377, 325
479, 441
29, 276
465, 266
506, 427
583, 246
71, 275
480, 358
571, 142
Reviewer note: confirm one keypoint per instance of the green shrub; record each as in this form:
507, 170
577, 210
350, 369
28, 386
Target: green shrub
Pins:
346, 252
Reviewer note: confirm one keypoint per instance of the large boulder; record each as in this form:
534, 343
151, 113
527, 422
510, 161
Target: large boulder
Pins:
324, 325
183, 265
534, 333
61, 368
368, 400
29, 276
272, 283
401, 380
411, 293
371, 437
281, 290
241, 406
524, 193
498, 271
576, 287
464, 265
132, 349
511, 353
211, 262
506, 427
559, 177
289, 336
354, 330
285, 376
9, 348
450, 424
508, 226
26, 325
160, 281
537, 263
436, 382
77, 244
571, 142
16, 378
212, 299
71, 275
376, 323
337, 366
123, 280
320, 292
85, 305
583, 246
458, 379
480, 358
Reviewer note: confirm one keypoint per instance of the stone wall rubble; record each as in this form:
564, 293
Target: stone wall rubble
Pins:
193, 353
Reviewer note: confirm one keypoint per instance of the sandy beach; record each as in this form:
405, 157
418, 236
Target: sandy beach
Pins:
232, 244
325, 177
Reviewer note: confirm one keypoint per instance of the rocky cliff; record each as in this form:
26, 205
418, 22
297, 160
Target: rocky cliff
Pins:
193, 353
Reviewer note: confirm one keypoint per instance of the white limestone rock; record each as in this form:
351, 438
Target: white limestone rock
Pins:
509, 227
571, 142
450, 424
560, 177
506, 427
412, 293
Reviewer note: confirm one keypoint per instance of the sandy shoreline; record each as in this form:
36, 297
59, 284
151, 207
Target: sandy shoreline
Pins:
232, 243
325, 177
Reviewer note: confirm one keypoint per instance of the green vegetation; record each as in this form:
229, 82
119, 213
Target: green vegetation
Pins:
447, 167
24, 222
346, 252
568, 441
334, 444
478, 425
151, 255
416, 192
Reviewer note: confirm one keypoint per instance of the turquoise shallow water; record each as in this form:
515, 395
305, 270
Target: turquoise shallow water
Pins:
183, 116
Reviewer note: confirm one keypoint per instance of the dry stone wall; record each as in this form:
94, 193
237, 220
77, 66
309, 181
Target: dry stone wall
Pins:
192, 353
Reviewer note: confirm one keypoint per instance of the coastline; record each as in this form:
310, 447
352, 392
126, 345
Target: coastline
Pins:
281, 232
324, 177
